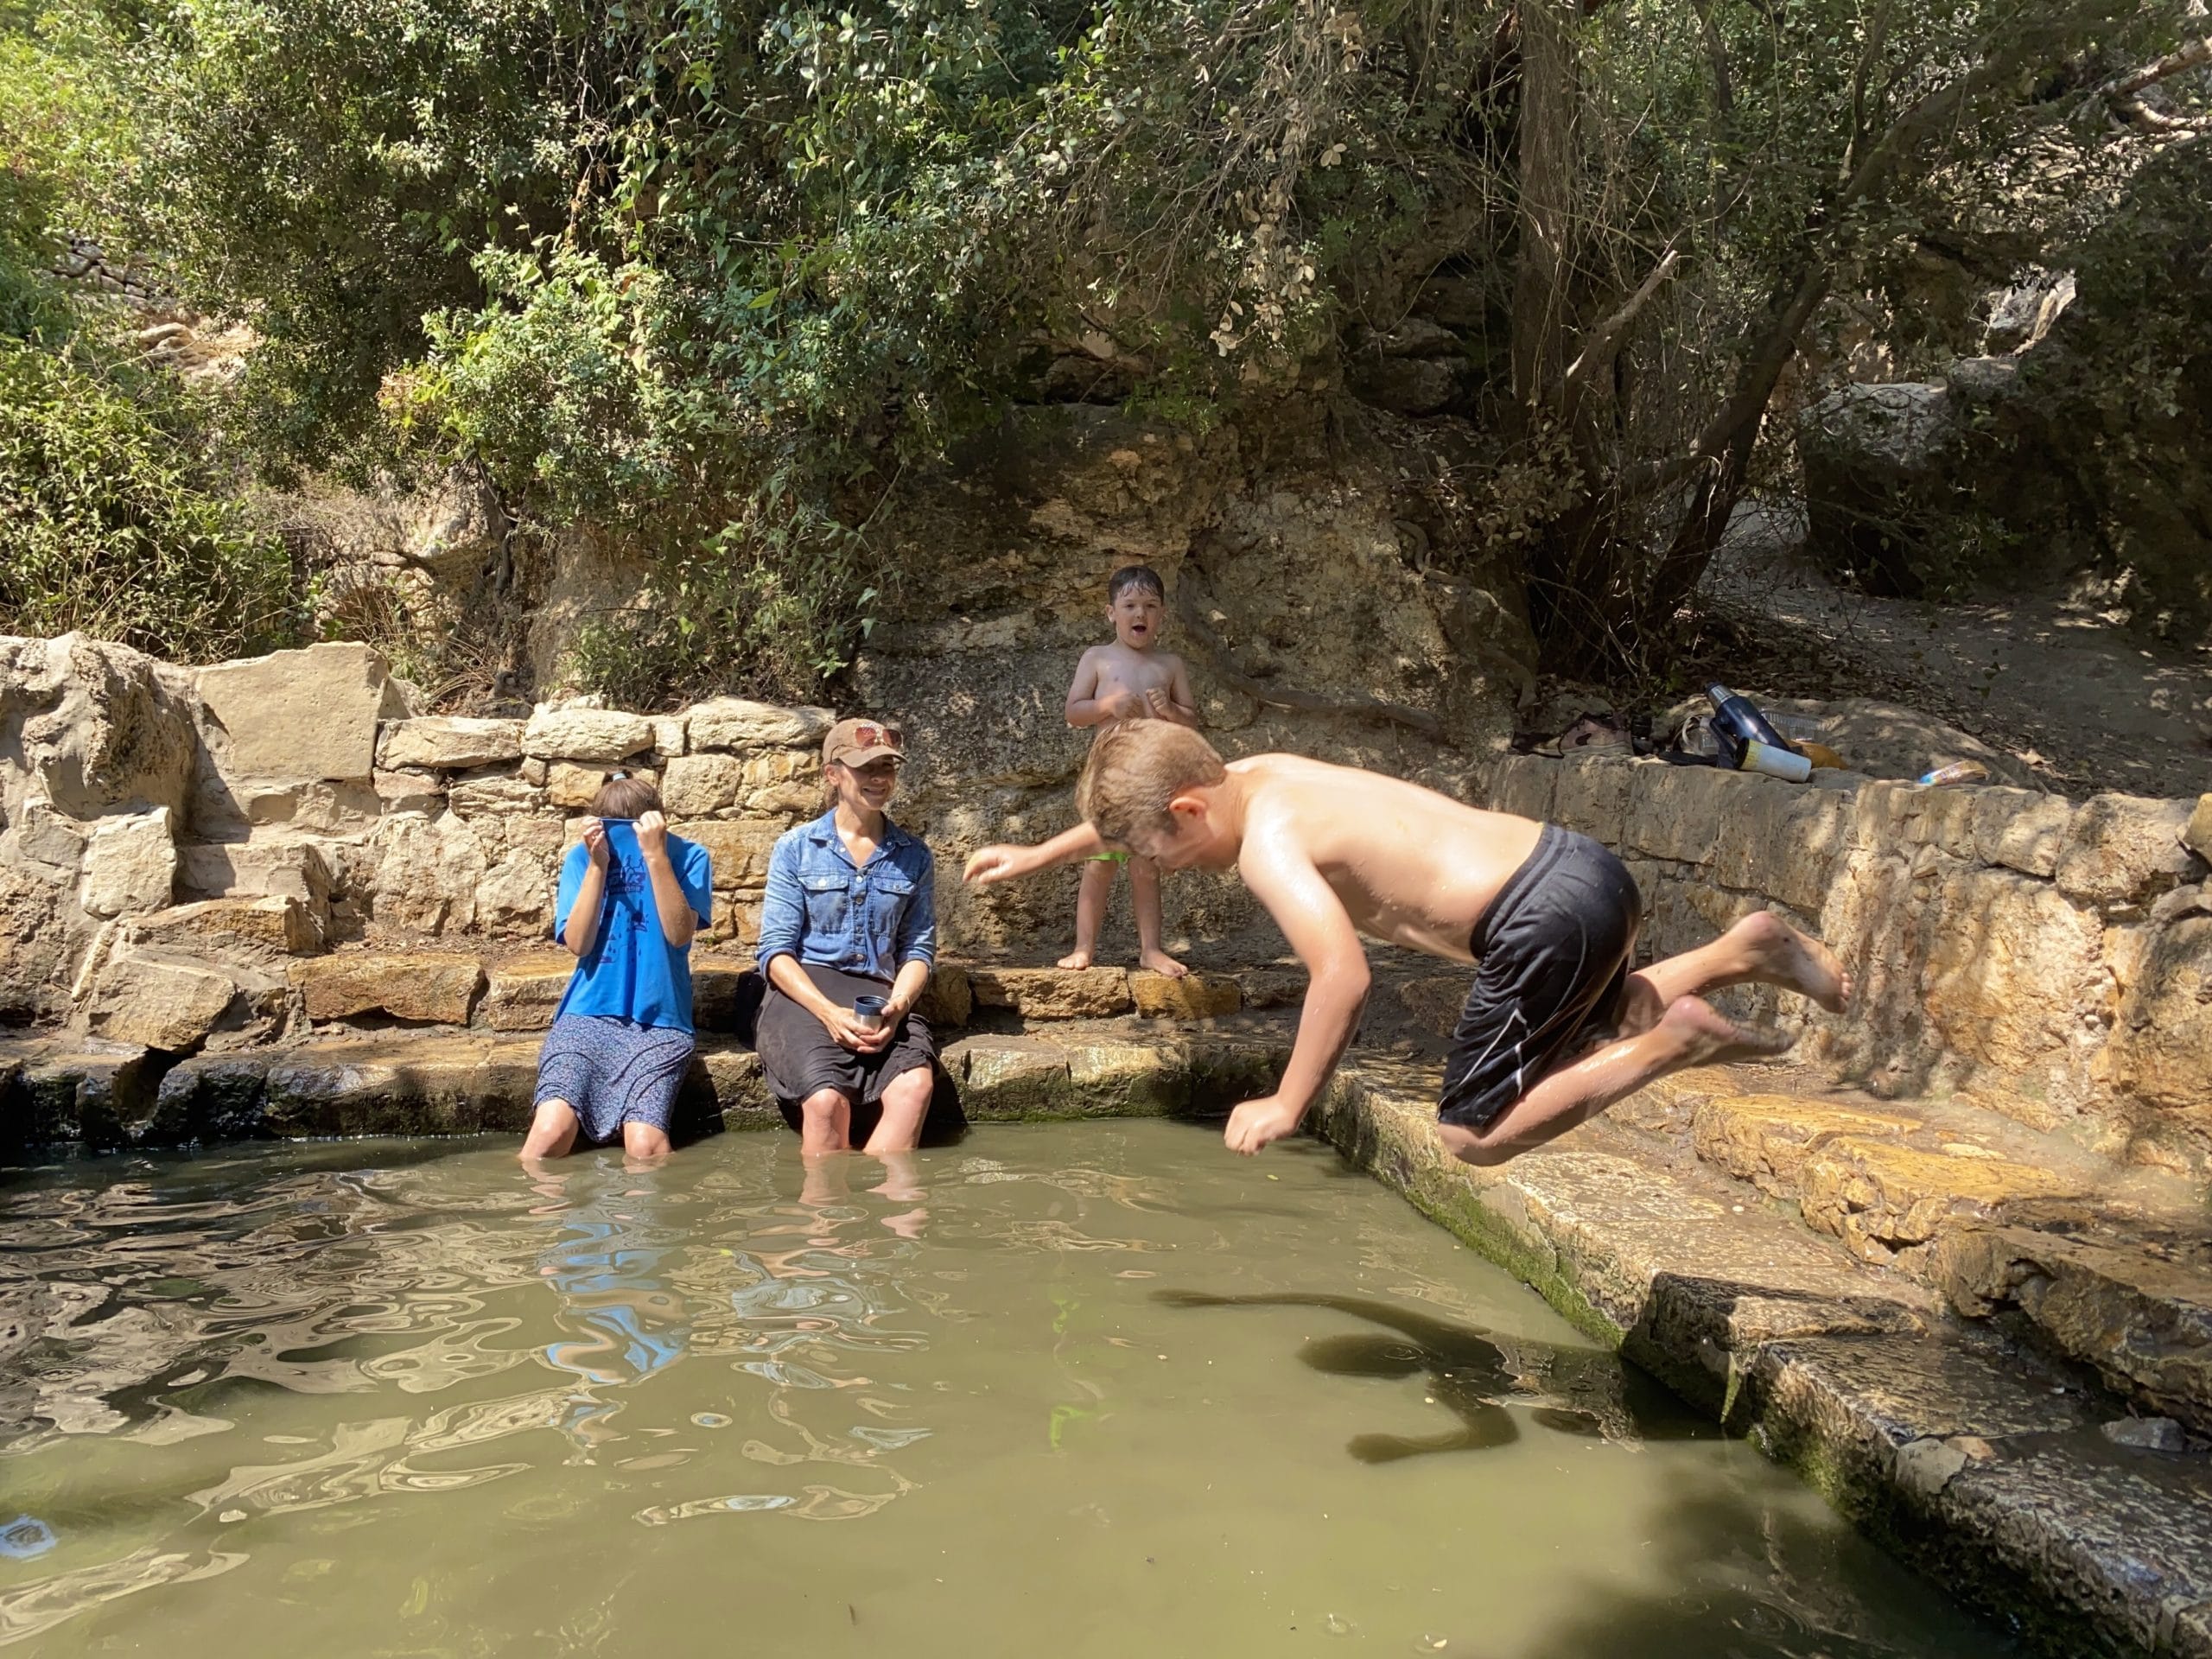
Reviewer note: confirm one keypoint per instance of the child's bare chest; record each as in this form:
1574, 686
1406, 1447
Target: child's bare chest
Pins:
1131, 671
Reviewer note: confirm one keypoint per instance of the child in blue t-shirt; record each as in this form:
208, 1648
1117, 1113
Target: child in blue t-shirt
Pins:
630, 896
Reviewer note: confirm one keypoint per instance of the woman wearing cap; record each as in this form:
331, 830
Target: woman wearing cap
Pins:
850, 913
630, 896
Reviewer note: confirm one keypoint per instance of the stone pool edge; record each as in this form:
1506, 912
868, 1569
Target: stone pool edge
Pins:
1951, 1448
1940, 1440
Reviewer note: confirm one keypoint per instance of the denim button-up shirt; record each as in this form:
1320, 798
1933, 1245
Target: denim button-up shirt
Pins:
871, 920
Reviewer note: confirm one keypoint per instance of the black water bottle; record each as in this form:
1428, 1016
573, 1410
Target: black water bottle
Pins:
1748, 740
1741, 719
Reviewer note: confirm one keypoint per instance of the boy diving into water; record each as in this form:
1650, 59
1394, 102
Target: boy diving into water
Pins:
1557, 1026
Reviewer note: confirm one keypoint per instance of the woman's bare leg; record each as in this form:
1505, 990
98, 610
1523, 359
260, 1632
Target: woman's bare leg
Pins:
1690, 1033
552, 1131
825, 1120
906, 1102
1090, 911
1144, 898
1761, 949
642, 1143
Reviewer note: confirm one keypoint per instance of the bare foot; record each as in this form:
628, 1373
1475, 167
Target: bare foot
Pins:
1076, 959
1712, 1039
1781, 956
1161, 963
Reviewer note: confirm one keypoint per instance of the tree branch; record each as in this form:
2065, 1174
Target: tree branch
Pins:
2189, 56
1604, 343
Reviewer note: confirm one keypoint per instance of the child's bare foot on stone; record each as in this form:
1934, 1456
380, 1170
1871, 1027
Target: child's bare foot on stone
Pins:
1161, 963
1715, 1039
1782, 955
1076, 959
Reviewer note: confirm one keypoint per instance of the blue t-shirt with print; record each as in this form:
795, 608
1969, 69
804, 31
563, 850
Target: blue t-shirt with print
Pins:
631, 970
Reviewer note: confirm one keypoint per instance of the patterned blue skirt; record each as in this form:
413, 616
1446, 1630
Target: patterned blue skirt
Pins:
612, 1072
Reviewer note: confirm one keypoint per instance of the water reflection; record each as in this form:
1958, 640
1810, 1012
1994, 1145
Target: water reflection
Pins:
264, 1381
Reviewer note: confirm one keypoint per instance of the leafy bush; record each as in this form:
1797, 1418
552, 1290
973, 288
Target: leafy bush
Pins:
106, 524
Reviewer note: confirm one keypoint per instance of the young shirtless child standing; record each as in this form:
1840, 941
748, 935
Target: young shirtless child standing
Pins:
1130, 679
1557, 1026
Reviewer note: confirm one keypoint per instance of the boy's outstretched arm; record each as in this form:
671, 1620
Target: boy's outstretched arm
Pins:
987, 865
1313, 919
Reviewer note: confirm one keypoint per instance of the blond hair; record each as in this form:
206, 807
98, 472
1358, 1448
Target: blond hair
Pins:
1136, 768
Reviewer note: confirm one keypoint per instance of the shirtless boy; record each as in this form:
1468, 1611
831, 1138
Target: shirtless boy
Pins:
1130, 679
1557, 1026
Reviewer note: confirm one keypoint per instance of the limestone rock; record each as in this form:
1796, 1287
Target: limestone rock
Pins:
429, 874
517, 895
409, 791
83, 1091
130, 866
2147, 1433
448, 742
1882, 1198
495, 794
1765, 1138
1590, 794
1054, 992
1193, 996
401, 1083
737, 723
782, 783
41, 840
2124, 848
161, 1004
1523, 784
599, 735
2198, 835
522, 992
2125, 1306
1890, 741
2021, 830
2161, 1044
290, 870
737, 849
2012, 969
231, 808
1271, 986
572, 788
949, 999
1008, 1076
296, 715
259, 928
436, 988
101, 728
1434, 1000
696, 785
726, 995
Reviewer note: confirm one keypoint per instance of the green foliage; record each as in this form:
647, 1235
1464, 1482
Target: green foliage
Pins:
114, 517
107, 525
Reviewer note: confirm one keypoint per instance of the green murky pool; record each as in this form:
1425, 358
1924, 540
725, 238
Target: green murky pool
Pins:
1065, 1390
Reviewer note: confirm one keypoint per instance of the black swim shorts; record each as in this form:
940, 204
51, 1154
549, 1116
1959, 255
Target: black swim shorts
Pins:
1553, 953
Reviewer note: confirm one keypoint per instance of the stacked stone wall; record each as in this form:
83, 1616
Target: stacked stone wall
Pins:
176, 842
2052, 959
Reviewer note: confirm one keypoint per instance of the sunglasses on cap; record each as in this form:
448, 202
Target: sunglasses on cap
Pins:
865, 736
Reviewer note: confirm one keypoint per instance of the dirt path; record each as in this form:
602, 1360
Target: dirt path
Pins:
2084, 705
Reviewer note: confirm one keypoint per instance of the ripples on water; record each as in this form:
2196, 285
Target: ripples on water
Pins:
275, 1401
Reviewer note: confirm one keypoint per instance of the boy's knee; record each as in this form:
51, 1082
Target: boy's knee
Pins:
823, 1103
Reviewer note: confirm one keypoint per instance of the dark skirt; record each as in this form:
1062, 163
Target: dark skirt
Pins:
798, 1056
